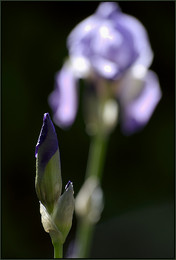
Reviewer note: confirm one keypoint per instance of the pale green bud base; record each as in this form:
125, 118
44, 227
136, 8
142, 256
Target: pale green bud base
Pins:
50, 227
59, 222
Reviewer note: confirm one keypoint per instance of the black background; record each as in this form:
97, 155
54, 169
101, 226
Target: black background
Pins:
138, 181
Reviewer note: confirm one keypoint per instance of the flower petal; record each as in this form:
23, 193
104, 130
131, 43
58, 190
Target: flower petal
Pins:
140, 38
107, 9
63, 100
79, 38
137, 111
104, 67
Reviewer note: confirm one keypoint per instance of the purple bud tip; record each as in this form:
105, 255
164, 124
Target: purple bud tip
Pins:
42, 133
68, 185
47, 140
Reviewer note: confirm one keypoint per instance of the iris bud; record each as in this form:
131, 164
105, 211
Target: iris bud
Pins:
89, 201
48, 182
56, 210
63, 212
58, 224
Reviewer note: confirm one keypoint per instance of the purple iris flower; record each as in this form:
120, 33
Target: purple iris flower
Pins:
114, 47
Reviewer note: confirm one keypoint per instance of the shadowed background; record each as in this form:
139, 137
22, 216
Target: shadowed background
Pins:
138, 181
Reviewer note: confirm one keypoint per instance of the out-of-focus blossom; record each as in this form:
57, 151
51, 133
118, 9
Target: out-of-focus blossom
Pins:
113, 48
110, 41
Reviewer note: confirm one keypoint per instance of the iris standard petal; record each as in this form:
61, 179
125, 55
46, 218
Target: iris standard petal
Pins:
113, 45
79, 39
108, 36
107, 9
140, 38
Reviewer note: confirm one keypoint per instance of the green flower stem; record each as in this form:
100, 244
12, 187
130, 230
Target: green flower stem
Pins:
58, 249
94, 169
84, 236
97, 156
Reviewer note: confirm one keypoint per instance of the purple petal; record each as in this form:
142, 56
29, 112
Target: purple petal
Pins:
113, 50
140, 38
129, 24
68, 184
137, 111
104, 67
63, 100
107, 9
111, 41
47, 143
79, 40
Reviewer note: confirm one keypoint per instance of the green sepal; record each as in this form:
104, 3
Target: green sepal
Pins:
63, 212
48, 182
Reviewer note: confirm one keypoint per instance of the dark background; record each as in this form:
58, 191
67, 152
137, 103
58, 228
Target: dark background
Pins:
138, 181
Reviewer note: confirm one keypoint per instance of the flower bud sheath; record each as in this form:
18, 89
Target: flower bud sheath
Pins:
63, 212
48, 180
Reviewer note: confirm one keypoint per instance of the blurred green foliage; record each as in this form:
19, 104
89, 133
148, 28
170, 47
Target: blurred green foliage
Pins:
139, 170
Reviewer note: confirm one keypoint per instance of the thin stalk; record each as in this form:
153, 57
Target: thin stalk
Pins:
58, 249
84, 237
94, 169
97, 156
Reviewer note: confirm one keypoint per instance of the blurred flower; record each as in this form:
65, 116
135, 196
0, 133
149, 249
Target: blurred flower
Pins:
110, 42
108, 48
